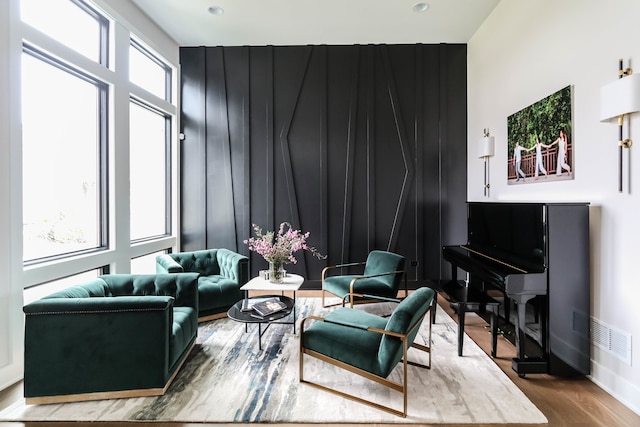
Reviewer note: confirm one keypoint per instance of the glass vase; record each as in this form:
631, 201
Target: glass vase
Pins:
276, 272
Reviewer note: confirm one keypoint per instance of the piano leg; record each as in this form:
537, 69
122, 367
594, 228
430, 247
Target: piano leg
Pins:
494, 329
521, 364
521, 336
461, 311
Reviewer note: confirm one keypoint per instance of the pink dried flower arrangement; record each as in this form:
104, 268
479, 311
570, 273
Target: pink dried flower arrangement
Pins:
279, 248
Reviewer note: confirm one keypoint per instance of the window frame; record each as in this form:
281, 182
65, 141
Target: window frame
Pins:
168, 74
102, 150
168, 224
103, 22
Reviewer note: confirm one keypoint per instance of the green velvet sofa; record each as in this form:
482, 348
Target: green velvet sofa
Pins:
117, 336
222, 273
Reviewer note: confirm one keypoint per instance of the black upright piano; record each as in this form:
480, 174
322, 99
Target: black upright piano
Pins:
536, 255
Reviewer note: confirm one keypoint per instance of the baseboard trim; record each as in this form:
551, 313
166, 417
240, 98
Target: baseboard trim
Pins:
622, 390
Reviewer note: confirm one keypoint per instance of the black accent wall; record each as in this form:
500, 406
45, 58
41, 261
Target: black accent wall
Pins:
363, 146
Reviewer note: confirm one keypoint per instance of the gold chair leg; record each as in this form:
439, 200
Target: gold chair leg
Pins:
393, 385
325, 305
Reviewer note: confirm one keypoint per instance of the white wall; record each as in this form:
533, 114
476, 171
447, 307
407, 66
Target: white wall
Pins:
525, 51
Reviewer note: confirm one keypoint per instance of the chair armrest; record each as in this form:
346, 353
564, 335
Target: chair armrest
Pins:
331, 267
186, 286
166, 264
380, 274
233, 265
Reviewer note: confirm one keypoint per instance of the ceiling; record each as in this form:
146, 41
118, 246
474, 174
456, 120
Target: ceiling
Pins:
300, 22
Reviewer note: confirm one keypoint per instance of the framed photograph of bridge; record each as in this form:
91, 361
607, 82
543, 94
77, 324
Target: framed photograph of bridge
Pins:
540, 143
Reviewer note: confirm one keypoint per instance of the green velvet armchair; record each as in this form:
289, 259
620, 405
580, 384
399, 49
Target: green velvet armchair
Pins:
382, 276
117, 336
368, 345
221, 274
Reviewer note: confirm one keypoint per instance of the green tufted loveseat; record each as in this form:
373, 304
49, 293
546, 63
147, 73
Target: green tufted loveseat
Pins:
222, 273
119, 335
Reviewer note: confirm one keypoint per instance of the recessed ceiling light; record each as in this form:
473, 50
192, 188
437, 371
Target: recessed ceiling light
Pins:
420, 7
216, 10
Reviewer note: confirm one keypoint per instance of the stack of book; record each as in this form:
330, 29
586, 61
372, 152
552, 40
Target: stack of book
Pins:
263, 306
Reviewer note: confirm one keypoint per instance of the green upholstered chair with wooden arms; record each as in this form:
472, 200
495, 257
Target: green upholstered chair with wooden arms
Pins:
382, 276
368, 345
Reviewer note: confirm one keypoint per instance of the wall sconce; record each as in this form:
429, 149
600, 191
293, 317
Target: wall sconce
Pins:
486, 149
618, 99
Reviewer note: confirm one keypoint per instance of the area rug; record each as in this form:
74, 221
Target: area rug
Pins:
228, 379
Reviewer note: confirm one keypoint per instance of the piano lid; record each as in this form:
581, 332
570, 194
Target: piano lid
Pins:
513, 232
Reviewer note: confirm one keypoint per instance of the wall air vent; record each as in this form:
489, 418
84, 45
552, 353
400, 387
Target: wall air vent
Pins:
611, 340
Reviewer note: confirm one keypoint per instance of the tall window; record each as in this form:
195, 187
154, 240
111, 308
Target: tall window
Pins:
63, 140
149, 172
149, 146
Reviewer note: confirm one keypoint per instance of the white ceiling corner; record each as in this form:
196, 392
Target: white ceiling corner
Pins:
301, 22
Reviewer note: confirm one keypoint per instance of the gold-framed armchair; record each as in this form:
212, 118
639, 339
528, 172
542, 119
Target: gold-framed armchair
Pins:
368, 345
382, 276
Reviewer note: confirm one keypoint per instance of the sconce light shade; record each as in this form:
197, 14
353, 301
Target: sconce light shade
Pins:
620, 97
486, 146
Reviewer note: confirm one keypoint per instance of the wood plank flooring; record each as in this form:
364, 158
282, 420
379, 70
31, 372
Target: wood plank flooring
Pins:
564, 401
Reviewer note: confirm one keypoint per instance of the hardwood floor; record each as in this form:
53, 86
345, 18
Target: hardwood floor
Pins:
564, 401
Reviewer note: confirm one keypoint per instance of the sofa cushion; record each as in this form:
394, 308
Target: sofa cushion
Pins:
351, 344
217, 292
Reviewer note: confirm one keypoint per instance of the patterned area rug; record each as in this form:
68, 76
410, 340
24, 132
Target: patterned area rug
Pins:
228, 379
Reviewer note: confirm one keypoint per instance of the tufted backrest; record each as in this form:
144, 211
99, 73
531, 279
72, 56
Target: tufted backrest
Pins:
406, 314
379, 262
182, 287
204, 262
91, 289
174, 285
